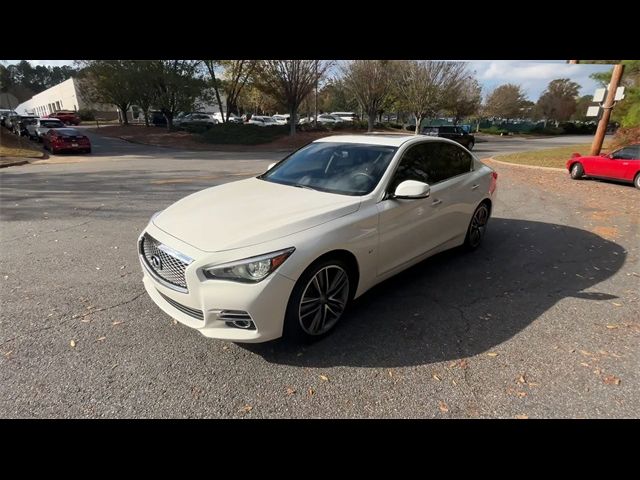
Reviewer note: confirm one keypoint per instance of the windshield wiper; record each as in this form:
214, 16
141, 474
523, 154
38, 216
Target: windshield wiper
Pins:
300, 185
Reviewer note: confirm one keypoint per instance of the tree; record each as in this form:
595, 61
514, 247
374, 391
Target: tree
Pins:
289, 82
558, 101
425, 87
178, 84
627, 111
144, 89
582, 105
111, 82
506, 101
370, 82
465, 100
23, 80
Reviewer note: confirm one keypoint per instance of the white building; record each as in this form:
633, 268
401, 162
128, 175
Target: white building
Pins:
64, 96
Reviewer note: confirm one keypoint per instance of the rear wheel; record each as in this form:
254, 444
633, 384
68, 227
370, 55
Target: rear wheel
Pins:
636, 181
318, 301
477, 227
577, 171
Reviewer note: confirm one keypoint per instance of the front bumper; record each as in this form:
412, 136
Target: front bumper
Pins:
265, 301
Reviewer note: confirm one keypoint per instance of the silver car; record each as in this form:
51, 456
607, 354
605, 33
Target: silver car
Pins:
41, 126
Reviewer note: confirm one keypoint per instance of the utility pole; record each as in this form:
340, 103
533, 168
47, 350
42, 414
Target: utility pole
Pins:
596, 146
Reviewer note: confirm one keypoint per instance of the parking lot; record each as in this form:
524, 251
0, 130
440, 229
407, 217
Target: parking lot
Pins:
541, 321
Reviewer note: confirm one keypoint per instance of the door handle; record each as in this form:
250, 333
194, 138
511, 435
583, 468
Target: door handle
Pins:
475, 186
436, 202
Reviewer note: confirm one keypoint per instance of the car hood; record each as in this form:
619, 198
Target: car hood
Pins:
248, 212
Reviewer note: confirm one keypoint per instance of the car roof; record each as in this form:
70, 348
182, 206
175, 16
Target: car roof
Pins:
389, 139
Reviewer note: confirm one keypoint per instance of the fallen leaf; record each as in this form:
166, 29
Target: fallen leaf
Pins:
175, 322
617, 304
225, 347
6, 354
611, 327
522, 417
436, 377
324, 378
492, 354
521, 394
123, 267
101, 339
246, 408
85, 320
72, 343
611, 380
522, 379
390, 373
443, 407
311, 391
463, 363
290, 391
117, 322
584, 364
584, 352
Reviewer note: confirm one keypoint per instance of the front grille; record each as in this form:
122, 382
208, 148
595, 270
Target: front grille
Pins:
164, 262
183, 308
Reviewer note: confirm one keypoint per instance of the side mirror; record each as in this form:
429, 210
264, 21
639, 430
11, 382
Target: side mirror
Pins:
412, 189
271, 165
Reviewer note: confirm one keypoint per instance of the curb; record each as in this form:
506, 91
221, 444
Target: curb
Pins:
552, 169
14, 164
187, 150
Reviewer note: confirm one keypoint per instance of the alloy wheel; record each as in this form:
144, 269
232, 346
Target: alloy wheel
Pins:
478, 225
323, 300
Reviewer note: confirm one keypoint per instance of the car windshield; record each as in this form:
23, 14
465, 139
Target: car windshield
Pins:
343, 168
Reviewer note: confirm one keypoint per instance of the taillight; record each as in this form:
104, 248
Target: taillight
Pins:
494, 182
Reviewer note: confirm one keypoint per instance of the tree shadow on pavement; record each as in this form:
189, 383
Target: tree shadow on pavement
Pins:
458, 304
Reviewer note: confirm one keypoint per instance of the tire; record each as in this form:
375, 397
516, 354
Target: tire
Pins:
301, 324
577, 171
477, 227
470, 145
636, 181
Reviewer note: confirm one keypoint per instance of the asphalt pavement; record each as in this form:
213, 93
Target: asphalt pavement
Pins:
541, 321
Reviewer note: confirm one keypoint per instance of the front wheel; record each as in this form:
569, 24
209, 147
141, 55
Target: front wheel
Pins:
477, 227
636, 181
318, 301
577, 171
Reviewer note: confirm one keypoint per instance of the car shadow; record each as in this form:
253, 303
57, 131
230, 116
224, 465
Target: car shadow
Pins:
459, 304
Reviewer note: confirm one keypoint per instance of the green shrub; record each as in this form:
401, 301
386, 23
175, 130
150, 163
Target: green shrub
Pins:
549, 130
239, 134
87, 114
493, 130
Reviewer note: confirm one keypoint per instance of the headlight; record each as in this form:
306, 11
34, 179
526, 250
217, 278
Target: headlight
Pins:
249, 270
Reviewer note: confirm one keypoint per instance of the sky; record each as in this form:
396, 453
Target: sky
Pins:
532, 75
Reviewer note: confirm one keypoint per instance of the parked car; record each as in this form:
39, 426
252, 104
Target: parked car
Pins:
157, 119
68, 117
40, 126
328, 119
288, 250
451, 132
281, 119
66, 139
622, 165
19, 124
9, 119
199, 118
346, 116
262, 121
4, 113
233, 118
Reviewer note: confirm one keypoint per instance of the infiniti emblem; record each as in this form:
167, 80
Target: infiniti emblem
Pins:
156, 262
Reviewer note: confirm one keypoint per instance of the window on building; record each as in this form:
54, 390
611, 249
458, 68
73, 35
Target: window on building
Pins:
58, 106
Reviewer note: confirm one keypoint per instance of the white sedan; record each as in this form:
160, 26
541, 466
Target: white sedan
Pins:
284, 253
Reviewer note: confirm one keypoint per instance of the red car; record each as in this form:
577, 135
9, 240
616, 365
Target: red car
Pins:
66, 139
622, 165
68, 117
